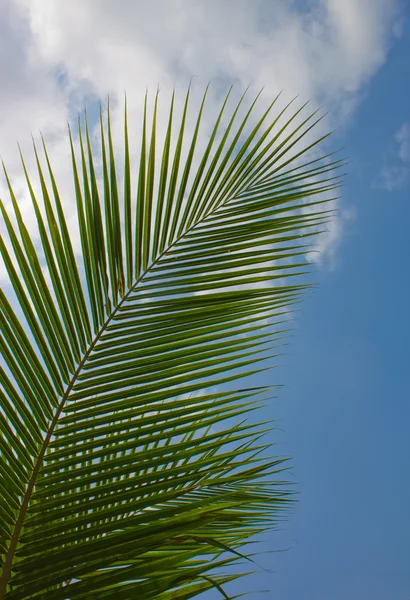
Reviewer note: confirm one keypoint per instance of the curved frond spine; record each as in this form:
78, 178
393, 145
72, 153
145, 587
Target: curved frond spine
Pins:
132, 462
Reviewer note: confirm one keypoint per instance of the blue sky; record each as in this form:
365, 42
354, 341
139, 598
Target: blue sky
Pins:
345, 412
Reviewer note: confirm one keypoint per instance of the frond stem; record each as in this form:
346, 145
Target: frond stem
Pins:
6, 573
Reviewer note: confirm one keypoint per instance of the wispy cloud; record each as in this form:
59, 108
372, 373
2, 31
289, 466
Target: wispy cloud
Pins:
396, 174
402, 138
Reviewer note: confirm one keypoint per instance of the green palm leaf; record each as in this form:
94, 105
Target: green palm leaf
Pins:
129, 467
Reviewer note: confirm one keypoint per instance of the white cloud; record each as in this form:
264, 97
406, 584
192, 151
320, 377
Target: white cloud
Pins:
402, 138
394, 177
54, 55
397, 175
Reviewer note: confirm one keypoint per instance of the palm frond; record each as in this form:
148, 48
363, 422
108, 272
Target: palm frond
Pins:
129, 467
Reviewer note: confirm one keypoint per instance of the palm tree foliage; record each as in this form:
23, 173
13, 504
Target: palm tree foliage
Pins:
129, 467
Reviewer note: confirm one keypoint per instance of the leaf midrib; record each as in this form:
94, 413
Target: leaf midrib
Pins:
7, 566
